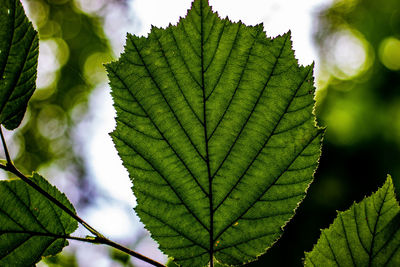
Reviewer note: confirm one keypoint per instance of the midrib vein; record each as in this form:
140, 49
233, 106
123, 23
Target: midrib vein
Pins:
210, 194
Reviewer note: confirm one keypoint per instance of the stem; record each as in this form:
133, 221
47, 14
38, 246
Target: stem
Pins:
129, 251
99, 238
5, 146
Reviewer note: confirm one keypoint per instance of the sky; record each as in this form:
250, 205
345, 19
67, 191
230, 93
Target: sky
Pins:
278, 17
116, 218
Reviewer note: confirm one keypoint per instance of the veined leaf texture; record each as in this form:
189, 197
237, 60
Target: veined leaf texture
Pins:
215, 125
367, 234
31, 226
19, 50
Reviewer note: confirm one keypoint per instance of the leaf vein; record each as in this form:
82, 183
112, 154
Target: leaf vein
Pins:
226, 60
272, 184
188, 38
136, 130
347, 240
18, 74
158, 198
358, 231
236, 88
7, 52
245, 241
8, 252
370, 253
330, 248
166, 180
160, 91
171, 32
254, 107
174, 229
281, 199
265, 216
177, 82
155, 125
27, 208
262, 147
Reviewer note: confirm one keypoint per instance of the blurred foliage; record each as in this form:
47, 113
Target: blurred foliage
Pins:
121, 257
61, 260
72, 49
359, 96
358, 99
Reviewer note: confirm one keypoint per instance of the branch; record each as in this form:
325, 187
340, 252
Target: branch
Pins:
5, 146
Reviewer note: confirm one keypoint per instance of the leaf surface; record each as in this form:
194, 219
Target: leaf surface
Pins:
215, 127
31, 226
18, 62
367, 234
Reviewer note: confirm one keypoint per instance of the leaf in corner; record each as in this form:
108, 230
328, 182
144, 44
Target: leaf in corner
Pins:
31, 227
215, 125
18, 62
367, 234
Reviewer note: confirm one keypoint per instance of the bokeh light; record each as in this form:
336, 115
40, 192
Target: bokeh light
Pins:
389, 53
351, 55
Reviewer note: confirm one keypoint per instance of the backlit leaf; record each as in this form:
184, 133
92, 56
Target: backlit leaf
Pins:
215, 126
367, 234
18, 62
31, 226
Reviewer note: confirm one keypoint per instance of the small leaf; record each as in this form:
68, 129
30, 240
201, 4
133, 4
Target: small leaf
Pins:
216, 129
31, 226
367, 234
18, 62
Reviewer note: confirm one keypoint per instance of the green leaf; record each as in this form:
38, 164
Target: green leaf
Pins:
367, 234
215, 127
18, 62
31, 226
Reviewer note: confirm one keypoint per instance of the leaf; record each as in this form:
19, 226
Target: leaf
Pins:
18, 62
367, 234
31, 226
215, 127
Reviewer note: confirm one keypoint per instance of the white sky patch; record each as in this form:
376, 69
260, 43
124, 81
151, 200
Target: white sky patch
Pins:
110, 224
113, 213
104, 161
278, 17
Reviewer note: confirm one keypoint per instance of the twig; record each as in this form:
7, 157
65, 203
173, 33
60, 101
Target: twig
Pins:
5, 146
